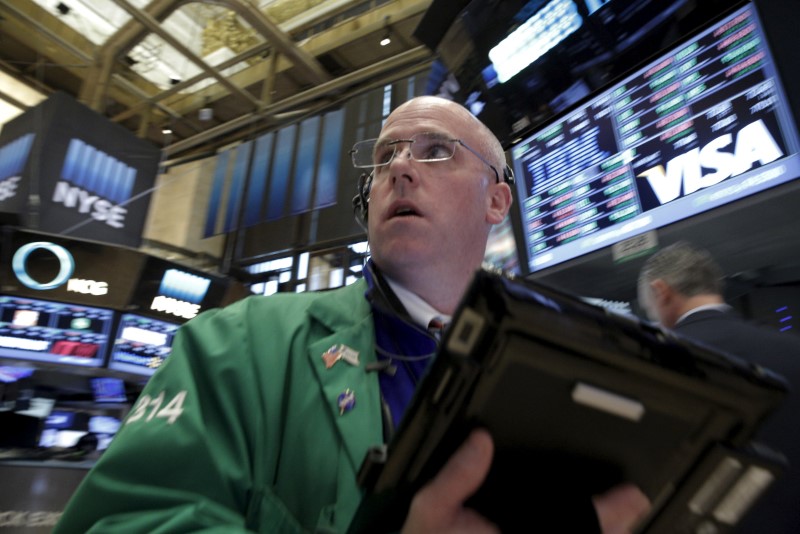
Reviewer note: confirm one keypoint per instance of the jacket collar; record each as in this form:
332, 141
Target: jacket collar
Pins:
343, 317
718, 308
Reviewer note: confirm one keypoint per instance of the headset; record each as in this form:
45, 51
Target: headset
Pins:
361, 200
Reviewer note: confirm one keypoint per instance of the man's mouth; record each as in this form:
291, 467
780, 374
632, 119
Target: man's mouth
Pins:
404, 212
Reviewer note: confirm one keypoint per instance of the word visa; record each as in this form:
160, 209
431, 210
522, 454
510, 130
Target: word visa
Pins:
753, 144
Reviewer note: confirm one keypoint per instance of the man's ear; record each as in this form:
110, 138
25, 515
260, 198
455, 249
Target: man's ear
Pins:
661, 291
499, 202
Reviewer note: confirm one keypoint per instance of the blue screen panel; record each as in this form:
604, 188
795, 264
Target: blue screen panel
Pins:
258, 179
329, 159
281, 166
304, 165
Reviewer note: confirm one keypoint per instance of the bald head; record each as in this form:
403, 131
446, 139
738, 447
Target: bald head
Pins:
476, 134
429, 220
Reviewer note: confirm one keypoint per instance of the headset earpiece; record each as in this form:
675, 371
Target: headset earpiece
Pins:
361, 200
508, 175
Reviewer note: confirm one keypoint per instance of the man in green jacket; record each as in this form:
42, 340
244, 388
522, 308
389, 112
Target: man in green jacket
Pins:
263, 413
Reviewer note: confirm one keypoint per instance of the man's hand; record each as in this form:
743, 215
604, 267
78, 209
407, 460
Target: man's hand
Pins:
620, 508
439, 506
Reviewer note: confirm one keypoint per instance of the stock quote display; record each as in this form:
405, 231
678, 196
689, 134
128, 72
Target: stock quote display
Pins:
704, 124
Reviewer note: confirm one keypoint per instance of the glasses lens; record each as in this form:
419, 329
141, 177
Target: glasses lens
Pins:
362, 153
424, 147
383, 152
432, 147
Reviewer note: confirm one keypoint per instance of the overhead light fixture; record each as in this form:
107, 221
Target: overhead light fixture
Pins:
206, 113
166, 131
387, 38
62, 8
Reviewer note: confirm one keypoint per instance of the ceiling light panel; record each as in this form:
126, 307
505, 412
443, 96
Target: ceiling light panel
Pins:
96, 20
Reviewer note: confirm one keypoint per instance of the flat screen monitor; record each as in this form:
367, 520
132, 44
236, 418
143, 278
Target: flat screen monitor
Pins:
54, 332
10, 374
63, 428
105, 428
39, 407
501, 248
141, 344
176, 293
107, 389
702, 125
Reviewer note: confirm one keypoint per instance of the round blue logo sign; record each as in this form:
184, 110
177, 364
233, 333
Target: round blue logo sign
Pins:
65, 260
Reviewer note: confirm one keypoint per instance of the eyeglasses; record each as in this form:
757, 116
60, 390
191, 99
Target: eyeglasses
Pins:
424, 147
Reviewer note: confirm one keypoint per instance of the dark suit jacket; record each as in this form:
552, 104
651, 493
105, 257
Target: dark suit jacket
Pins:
778, 511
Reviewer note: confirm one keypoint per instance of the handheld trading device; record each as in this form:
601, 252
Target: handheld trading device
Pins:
579, 399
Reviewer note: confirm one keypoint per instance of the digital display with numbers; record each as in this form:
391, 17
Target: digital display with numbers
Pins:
704, 124
141, 344
53, 332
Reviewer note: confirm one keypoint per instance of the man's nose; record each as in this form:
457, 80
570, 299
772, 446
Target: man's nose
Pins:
399, 166
403, 151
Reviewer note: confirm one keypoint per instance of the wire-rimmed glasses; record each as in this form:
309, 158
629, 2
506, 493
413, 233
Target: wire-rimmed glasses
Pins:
425, 147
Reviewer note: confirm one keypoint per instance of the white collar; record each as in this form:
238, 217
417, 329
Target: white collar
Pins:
420, 311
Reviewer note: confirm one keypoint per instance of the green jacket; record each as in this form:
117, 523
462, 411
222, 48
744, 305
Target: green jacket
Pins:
240, 430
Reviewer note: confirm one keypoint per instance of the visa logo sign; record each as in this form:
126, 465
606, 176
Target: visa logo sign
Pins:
753, 144
95, 183
13, 158
180, 293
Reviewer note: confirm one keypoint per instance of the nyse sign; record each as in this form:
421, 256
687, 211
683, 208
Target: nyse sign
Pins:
100, 209
95, 183
13, 159
179, 308
180, 293
19, 264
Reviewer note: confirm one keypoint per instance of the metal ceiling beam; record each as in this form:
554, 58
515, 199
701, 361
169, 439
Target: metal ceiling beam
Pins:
420, 57
302, 60
320, 12
364, 24
113, 49
324, 42
160, 9
177, 88
77, 53
141, 95
24, 14
154, 26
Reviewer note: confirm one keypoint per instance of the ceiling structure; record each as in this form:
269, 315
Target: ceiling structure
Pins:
220, 71
195, 76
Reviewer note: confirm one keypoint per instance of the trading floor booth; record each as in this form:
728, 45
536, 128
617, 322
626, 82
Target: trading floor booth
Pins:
83, 326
